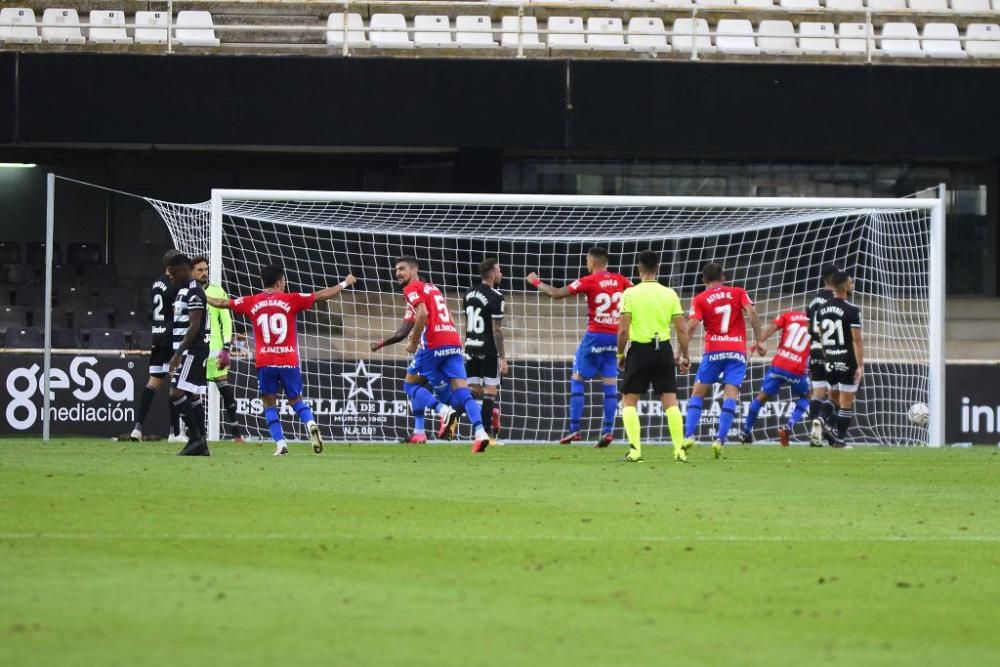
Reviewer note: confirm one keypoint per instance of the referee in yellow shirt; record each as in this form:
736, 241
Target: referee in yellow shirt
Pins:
646, 356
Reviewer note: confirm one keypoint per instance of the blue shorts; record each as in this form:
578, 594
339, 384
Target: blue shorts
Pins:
440, 366
272, 379
774, 378
724, 367
597, 354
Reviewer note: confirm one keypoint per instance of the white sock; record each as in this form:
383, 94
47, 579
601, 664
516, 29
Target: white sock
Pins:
310, 423
443, 409
481, 433
281, 444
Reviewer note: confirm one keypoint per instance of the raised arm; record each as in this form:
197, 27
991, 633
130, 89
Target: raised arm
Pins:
218, 303
402, 332
554, 292
328, 293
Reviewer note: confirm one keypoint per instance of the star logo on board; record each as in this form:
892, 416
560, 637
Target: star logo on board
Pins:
361, 381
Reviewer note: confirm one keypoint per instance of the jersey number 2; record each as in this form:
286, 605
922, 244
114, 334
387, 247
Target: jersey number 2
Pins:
273, 326
157, 307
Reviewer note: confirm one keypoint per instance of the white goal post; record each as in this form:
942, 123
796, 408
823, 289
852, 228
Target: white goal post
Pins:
772, 246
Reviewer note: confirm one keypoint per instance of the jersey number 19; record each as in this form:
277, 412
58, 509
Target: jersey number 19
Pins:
273, 326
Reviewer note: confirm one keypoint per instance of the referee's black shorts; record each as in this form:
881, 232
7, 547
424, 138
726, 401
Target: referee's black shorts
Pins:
648, 365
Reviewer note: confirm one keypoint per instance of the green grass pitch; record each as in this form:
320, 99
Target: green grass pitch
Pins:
118, 554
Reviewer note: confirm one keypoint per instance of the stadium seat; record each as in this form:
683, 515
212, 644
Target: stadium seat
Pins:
13, 316
64, 338
10, 252
929, 5
5, 294
62, 276
714, 4
845, 5
983, 40
76, 298
852, 38
941, 40
474, 32
107, 28
142, 339
735, 36
62, 26
432, 31
195, 28
647, 34
78, 254
116, 297
684, 32
355, 31
99, 275
528, 32
817, 38
777, 38
799, 4
60, 317
970, 6
887, 5
129, 319
31, 296
605, 34
22, 338
36, 254
90, 319
151, 27
106, 339
565, 32
900, 40
17, 26
388, 31
755, 4
16, 274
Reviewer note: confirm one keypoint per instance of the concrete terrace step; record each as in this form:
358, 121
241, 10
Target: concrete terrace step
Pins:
971, 308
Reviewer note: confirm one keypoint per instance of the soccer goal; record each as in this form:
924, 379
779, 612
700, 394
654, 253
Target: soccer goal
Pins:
774, 247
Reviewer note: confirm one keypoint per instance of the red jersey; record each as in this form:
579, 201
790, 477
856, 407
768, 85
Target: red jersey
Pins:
721, 310
440, 330
604, 299
793, 350
273, 316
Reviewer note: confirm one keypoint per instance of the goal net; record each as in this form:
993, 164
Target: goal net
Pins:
773, 248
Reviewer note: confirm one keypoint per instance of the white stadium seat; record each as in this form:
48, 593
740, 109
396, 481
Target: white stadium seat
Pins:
845, 5
777, 38
195, 28
528, 32
684, 31
17, 26
673, 4
432, 31
817, 38
900, 40
107, 28
355, 31
475, 32
566, 32
388, 31
929, 5
647, 34
853, 38
800, 4
715, 3
605, 34
755, 4
983, 40
735, 36
970, 6
62, 26
151, 27
887, 5
940, 40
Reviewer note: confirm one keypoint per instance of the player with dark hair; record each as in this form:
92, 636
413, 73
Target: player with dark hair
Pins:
721, 308
787, 367
220, 335
646, 356
840, 329
486, 358
276, 347
437, 350
596, 353
823, 404
190, 353
161, 316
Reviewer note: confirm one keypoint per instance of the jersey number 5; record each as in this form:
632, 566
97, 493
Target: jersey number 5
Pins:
442, 307
273, 327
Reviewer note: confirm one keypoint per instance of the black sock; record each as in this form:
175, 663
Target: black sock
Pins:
198, 412
145, 403
229, 403
488, 414
184, 409
827, 411
814, 407
843, 421
175, 419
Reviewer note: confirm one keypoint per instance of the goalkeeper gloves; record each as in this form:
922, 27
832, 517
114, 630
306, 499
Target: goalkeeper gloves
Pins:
224, 358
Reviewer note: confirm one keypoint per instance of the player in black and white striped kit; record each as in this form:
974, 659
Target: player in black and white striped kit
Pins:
190, 354
485, 357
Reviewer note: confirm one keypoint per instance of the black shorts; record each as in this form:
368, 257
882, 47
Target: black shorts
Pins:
646, 366
818, 372
159, 360
483, 370
840, 375
190, 375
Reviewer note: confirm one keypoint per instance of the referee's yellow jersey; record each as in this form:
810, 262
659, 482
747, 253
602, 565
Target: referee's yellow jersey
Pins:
652, 307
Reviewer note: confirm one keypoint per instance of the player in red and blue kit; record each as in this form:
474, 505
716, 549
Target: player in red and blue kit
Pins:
597, 352
437, 349
721, 308
788, 366
276, 347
